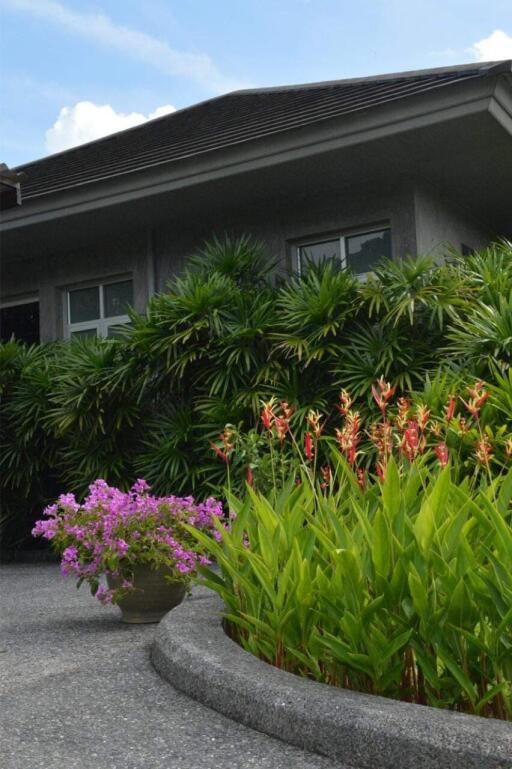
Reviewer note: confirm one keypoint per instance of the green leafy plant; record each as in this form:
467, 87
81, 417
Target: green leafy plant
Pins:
95, 413
401, 588
224, 335
28, 449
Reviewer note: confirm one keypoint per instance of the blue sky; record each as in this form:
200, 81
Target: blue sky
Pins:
72, 70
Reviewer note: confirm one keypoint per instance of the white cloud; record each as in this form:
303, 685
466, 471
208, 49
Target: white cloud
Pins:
138, 45
86, 121
493, 48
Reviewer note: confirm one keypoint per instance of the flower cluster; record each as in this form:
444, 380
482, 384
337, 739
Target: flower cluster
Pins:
112, 531
406, 428
411, 431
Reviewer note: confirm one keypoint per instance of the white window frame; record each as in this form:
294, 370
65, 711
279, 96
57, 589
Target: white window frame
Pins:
101, 325
342, 237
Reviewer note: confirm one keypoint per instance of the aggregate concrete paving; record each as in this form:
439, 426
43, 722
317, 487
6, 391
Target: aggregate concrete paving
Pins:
77, 691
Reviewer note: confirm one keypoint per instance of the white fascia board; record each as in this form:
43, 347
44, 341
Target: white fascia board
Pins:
500, 105
395, 117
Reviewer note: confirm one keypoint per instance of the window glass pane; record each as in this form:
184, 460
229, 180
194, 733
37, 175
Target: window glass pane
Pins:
117, 297
364, 251
20, 321
320, 252
84, 304
84, 333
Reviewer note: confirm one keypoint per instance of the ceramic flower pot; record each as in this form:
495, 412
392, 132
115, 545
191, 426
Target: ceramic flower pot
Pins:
153, 596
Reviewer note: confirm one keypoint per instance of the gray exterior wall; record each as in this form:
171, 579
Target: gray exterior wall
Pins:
440, 224
47, 276
279, 224
420, 222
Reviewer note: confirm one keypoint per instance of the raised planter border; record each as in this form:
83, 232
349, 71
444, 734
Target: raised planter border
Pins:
360, 731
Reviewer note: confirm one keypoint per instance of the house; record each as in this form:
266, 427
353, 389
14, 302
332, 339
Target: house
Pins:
354, 169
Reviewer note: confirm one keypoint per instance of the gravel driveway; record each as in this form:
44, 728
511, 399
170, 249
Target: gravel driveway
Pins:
77, 691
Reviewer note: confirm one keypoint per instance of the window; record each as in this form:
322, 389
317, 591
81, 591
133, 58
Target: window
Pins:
20, 320
359, 251
99, 310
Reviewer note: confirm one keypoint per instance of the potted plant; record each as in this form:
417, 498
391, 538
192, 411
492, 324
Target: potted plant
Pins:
136, 540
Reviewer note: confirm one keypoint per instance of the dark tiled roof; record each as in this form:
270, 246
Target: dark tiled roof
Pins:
227, 120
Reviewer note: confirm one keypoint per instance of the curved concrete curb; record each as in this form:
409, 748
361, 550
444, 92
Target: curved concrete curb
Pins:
192, 651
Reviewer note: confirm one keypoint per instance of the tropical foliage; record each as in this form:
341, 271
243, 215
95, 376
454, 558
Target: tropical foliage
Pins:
227, 333
467, 427
401, 588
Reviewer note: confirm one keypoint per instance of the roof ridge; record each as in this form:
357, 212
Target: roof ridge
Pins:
418, 74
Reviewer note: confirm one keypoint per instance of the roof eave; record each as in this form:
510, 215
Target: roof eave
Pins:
470, 97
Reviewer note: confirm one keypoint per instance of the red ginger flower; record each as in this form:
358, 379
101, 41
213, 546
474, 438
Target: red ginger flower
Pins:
382, 395
349, 438
222, 454
462, 425
326, 475
422, 415
450, 408
381, 435
404, 405
314, 421
281, 424
308, 446
477, 400
441, 451
267, 413
226, 436
436, 429
380, 469
345, 402
483, 450
411, 440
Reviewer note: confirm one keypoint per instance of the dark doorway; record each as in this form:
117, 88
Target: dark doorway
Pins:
20, 321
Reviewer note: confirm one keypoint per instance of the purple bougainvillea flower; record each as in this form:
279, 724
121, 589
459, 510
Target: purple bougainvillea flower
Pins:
113, 531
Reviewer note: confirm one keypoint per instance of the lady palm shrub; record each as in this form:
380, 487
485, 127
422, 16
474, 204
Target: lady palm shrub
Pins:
397, 352
208, 358
488, 272
482, 340
27, 448
244, 260
96, 413
175, 453
313, 311
408, 305
417, 289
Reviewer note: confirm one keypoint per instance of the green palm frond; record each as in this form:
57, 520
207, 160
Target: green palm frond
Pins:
243, 259
312, 312
376, 350
489, 271
417, 290
483, 339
